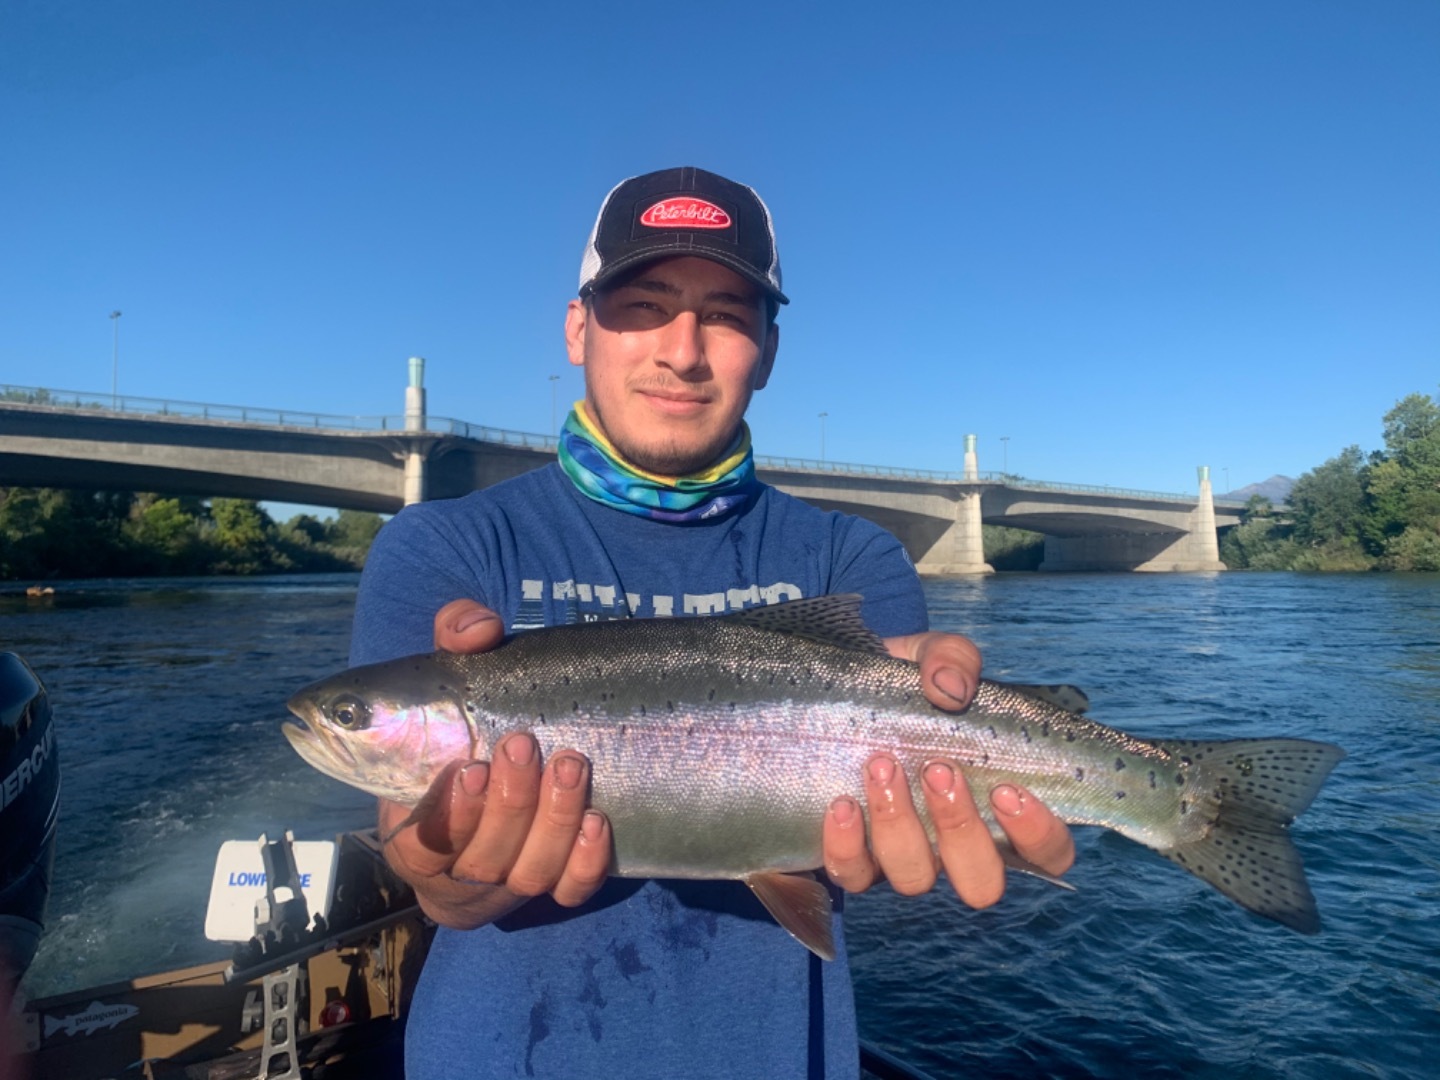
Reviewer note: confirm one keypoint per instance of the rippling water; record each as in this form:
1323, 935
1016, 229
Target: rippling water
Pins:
1146, 970
169, 699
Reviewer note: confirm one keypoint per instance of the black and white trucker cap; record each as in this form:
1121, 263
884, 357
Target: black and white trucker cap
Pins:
684, 211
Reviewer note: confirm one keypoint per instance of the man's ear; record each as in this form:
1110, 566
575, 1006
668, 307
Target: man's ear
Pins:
767, 359
577, 319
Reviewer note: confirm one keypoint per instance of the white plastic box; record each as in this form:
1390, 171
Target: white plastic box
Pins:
239, 883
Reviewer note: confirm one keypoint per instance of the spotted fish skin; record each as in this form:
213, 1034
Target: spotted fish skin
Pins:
717, 745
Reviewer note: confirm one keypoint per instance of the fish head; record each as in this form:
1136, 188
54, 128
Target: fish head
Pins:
388, 729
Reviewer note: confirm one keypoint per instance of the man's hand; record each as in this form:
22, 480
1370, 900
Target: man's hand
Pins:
899, 848
496, 833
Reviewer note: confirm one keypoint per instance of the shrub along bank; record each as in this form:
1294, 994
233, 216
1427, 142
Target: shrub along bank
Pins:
54, 533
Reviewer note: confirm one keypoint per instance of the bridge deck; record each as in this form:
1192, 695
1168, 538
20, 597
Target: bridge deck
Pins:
294, 421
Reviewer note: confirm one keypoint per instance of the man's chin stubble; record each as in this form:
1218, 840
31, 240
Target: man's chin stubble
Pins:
669, 459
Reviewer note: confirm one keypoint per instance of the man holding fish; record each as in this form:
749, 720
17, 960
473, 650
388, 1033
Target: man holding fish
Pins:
545, 966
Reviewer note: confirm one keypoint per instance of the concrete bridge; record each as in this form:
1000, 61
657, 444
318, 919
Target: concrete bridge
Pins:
63, 439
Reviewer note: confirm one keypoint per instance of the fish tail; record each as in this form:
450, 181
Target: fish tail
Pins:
1259, 786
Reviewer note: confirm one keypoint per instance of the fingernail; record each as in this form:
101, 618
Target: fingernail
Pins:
592, 825
844, 811
882, 769
951, 683
939, 777
475, 777
520, 749
567, 772
471, 618
1008, 800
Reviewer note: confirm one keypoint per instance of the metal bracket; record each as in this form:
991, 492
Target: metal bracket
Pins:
287, 1004
281, 917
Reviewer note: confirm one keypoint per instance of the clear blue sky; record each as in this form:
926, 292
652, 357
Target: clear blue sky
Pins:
1133, 237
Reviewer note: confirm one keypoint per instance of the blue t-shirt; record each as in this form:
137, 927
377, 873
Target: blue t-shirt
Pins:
649, 978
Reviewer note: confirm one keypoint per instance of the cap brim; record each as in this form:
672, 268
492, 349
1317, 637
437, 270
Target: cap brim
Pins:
633, 259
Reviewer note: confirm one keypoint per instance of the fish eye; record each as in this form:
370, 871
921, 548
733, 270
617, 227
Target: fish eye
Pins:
349, 712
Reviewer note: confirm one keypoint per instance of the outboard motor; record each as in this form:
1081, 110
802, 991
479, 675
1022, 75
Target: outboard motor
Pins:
29, 810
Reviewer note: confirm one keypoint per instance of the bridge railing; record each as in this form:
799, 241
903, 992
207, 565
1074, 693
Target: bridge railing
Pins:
1102, 489
466, 430
845, 468
129, 404
848, 468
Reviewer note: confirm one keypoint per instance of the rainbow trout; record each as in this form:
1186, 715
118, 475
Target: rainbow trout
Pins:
718, 743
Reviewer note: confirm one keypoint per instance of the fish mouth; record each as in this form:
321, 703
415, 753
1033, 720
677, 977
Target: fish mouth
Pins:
314, 741
330, 756
302, 739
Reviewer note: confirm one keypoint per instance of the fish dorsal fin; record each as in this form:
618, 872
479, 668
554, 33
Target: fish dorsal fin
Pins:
800, 904
830, 620
1070, 698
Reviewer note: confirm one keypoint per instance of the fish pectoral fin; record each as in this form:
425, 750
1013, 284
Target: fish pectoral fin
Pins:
800, 904
418, 813
429, 804
1061, 695
1013, 860
412, 818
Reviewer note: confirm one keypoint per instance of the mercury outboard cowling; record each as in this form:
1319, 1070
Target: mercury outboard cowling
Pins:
29, 810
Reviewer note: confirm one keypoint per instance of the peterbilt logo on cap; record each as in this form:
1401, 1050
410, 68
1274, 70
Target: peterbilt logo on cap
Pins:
685, 212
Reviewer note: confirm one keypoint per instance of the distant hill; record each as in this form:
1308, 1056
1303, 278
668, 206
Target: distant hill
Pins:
1276, 489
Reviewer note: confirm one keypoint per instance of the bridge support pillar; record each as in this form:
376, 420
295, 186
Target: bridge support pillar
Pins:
960, 549
1197, 548
414, 477
415, 421
1204, 539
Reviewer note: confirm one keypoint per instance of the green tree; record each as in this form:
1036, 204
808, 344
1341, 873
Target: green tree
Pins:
83, 531
1257, 506
1403, 488
1328, 502
1012, 549
354, 529
165, 537
1414, 419
309, 526
1417, 548
1259, 543
47, 532
241, 533
22, 535
1387, 497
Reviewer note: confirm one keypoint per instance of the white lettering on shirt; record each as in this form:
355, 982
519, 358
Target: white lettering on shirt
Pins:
587, 602
704, 603
740, 599
774, 594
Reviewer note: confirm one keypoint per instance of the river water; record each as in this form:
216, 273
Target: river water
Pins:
169, 698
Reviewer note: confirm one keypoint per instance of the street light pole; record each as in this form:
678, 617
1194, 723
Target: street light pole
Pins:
1004, 454
115, 361
554, 431
823, 415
